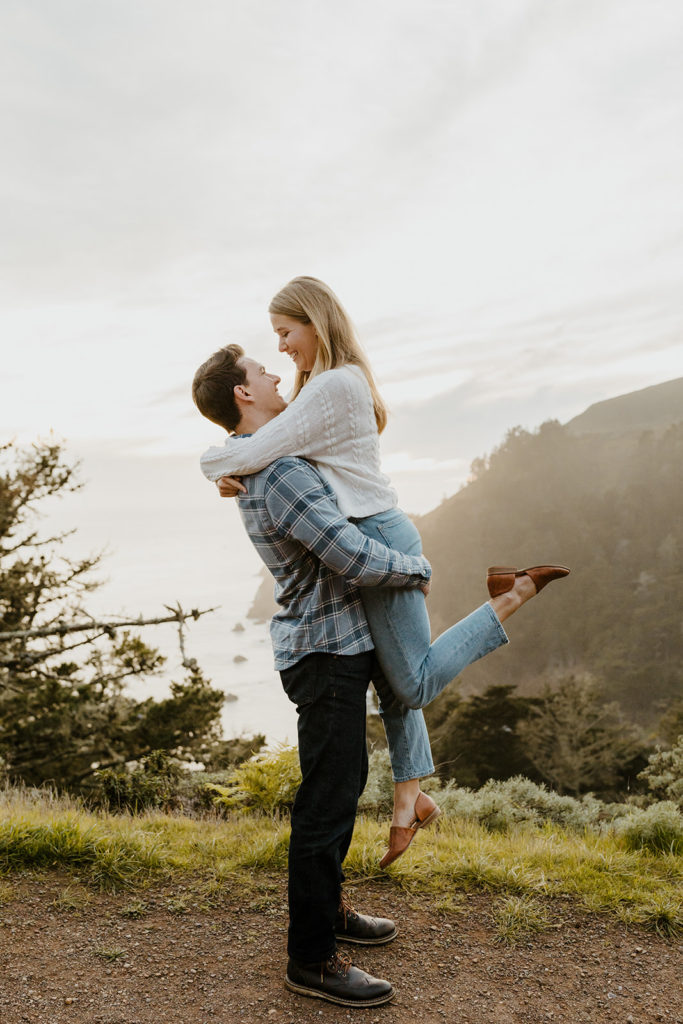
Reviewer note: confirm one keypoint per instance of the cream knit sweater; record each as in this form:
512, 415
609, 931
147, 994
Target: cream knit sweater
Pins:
332, 423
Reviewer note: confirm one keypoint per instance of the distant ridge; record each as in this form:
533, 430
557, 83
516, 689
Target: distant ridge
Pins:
653, 408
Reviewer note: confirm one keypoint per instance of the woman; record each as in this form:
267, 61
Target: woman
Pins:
334, 419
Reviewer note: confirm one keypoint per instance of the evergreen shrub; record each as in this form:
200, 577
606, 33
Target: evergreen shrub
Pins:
664, 774
378, 795
500, 805
151, 783
658, 828
496, 805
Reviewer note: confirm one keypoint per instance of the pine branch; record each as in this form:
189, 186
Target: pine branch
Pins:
62, 628
31, 542
26, 659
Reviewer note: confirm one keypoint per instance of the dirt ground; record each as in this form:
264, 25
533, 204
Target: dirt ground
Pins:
70, 955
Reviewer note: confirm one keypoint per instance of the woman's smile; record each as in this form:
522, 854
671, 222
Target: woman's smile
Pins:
298, 340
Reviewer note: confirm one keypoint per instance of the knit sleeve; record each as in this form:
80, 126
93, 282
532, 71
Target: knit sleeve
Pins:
311, 426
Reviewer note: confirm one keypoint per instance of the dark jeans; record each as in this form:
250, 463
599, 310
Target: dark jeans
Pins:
329, 692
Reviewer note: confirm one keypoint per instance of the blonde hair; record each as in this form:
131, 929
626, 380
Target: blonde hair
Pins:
309, 300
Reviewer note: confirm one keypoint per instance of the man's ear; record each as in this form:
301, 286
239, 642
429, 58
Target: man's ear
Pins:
241, 393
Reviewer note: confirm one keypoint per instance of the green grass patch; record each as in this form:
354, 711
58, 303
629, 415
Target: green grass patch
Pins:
73, 898
600, 872
518, 917
134, 909
7, 893
110, 954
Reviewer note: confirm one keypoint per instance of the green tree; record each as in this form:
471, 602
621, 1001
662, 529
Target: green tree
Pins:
64, 707
671, 723
578, 743
478, 739
664, 773
607, 505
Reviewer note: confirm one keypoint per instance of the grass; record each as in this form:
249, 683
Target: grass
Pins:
134, 909
517, 917
111, 955
73, 898
521, 867
6, 893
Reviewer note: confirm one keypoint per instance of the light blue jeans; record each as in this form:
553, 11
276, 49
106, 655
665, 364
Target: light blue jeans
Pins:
415, 670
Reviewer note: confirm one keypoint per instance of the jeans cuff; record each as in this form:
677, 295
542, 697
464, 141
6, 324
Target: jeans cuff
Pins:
415, 775
501, 635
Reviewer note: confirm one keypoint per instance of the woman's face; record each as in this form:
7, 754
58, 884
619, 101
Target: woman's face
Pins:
298, 340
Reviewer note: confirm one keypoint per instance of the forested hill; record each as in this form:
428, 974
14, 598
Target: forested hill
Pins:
608, 503
654, 408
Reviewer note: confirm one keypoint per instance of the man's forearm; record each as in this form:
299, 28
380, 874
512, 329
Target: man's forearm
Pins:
371, 564
302, 509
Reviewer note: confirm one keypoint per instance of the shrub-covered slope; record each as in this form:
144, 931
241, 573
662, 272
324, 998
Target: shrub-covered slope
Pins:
610, 507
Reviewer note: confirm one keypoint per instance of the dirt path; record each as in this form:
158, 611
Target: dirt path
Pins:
70, 955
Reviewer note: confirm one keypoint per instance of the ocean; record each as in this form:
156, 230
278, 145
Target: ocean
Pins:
170, 538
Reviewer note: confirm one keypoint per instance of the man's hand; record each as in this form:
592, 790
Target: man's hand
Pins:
425, 587
229, 486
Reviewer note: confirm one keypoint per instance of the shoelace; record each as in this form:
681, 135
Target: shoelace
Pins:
345, 908
338, 963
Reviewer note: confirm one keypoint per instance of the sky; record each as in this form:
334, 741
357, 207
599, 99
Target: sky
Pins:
492, 187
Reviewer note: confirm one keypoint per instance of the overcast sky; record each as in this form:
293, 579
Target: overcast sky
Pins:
493, 188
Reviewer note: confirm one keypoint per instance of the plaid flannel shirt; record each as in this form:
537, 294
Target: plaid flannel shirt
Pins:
318, 560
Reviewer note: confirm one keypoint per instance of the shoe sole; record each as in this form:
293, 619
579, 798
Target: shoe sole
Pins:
382, 941
430, 818
317, 994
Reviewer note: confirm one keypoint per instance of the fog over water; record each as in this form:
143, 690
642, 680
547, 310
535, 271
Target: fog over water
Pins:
177, 546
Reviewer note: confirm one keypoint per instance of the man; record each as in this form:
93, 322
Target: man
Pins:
324, 653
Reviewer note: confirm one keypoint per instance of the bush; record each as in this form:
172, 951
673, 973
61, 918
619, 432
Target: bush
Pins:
225, 754
664, 774
378, 795
499, 805
658, 829
267, 782
151, 783
159, 781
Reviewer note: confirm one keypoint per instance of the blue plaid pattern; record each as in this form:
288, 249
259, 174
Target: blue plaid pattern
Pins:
318, 560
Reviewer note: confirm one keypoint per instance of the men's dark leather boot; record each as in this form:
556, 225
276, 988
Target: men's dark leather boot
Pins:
337, 981
350, 926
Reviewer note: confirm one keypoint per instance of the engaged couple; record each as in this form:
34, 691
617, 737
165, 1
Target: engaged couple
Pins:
350, 582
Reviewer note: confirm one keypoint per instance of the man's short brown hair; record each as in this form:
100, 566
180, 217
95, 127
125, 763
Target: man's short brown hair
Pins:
214, 383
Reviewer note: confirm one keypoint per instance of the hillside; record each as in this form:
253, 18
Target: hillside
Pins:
653, 408
609, 506
602, 494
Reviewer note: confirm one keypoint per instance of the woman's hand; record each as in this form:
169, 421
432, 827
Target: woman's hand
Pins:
229, 486
425, 587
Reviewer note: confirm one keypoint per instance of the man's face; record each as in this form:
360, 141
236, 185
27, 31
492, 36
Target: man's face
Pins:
262, 387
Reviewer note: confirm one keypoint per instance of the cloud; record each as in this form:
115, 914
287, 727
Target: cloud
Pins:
237, 139
493, 191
